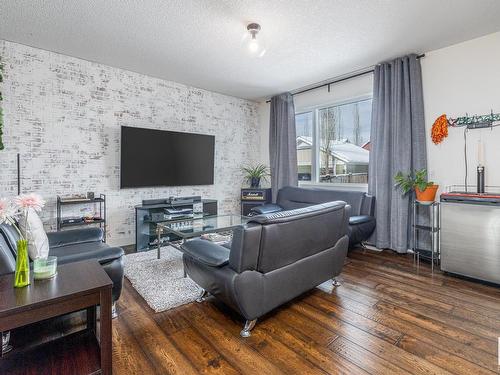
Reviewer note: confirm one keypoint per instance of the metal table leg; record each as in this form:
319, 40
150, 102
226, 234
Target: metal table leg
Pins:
158, 233
432, 238
414, 232
183, 266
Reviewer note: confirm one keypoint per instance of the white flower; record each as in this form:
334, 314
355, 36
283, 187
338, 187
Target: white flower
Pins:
32, 200
8, 212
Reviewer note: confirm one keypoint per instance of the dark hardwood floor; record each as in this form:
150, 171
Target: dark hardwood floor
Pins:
387, 317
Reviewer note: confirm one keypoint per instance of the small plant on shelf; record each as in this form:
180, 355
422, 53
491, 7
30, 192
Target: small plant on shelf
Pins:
254, 174
425, 190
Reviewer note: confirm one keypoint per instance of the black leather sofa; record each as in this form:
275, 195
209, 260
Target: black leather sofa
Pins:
361, 223
273, 259
69, 246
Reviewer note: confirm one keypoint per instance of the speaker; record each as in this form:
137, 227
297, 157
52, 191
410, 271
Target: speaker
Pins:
149, 202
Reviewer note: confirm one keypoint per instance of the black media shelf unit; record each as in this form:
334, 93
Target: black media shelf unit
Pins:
101, 200
254, 197
148, 216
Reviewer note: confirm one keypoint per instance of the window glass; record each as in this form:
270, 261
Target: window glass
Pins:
343, 138
304, 129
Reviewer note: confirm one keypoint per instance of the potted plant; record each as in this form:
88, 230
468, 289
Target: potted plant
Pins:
425, 190
254, 174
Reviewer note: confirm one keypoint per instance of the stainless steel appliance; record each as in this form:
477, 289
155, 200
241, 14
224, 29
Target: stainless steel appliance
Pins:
470, 235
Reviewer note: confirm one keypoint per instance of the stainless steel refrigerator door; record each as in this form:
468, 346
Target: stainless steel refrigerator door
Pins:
470, 240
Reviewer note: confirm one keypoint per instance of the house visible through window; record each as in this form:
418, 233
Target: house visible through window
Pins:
304, 127
333, 143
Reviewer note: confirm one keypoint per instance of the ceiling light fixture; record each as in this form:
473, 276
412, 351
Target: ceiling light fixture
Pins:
255, 47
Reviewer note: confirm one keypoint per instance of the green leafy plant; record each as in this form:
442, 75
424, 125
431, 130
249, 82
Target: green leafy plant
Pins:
411, 181
257, 171
1, 112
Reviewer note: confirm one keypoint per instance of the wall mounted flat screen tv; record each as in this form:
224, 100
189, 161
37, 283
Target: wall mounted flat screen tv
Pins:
164, 158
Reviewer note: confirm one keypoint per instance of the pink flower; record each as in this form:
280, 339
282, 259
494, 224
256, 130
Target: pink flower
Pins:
26, 201
7, 211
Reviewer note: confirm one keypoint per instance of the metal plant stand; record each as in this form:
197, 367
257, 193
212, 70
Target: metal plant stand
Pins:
434, 229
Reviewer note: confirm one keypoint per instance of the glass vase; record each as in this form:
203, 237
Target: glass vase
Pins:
22, 275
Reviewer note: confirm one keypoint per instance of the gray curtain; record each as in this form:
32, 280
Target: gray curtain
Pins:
398, 144
282, 143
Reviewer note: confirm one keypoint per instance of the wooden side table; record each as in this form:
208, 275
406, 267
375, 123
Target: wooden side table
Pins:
77, 286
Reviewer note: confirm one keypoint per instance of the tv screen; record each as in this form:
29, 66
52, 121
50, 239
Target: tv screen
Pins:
165, 158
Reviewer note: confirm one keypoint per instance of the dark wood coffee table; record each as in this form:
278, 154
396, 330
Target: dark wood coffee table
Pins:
77, 286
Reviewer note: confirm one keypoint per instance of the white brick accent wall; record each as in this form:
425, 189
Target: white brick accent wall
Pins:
63, 115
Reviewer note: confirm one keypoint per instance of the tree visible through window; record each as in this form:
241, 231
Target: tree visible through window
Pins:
343, 138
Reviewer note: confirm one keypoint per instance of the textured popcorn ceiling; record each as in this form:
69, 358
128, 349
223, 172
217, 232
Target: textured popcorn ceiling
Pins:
198, 42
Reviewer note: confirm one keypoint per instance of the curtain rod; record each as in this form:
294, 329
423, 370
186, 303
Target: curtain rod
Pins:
337, 80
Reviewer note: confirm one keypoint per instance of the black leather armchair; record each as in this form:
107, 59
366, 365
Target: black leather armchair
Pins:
69, 246
361, 224
273, 259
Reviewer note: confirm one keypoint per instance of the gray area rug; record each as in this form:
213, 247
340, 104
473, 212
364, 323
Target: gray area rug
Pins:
160, 282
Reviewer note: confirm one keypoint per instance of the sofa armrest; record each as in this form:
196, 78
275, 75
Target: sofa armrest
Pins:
360, 219
206, 252
368, 205
74, 236
77, 252
266, 209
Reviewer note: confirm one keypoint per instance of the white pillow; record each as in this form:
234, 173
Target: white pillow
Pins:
38, 242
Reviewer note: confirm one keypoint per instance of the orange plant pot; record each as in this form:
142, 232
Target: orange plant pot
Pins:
428, 195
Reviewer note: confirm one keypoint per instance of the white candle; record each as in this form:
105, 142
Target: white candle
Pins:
480, 153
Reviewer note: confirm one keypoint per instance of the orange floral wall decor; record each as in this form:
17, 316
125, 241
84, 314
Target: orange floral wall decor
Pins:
439, 129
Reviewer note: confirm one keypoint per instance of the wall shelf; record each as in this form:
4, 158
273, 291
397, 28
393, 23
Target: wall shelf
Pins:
65, 202
63, 225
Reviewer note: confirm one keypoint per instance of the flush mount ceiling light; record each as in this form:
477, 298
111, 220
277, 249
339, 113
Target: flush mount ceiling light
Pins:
254, 46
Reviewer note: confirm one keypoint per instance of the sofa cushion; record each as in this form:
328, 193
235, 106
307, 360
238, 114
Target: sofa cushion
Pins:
288, 236
296, 214
7, 259
296, 197
75, 236
11, 236
89, 250
206, 252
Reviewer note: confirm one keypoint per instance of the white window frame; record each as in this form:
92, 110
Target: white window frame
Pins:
315, 146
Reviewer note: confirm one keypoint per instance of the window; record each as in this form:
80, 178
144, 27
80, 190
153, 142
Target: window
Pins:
333, 143
304, 128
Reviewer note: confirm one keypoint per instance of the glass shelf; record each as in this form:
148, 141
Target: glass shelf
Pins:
433, 228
